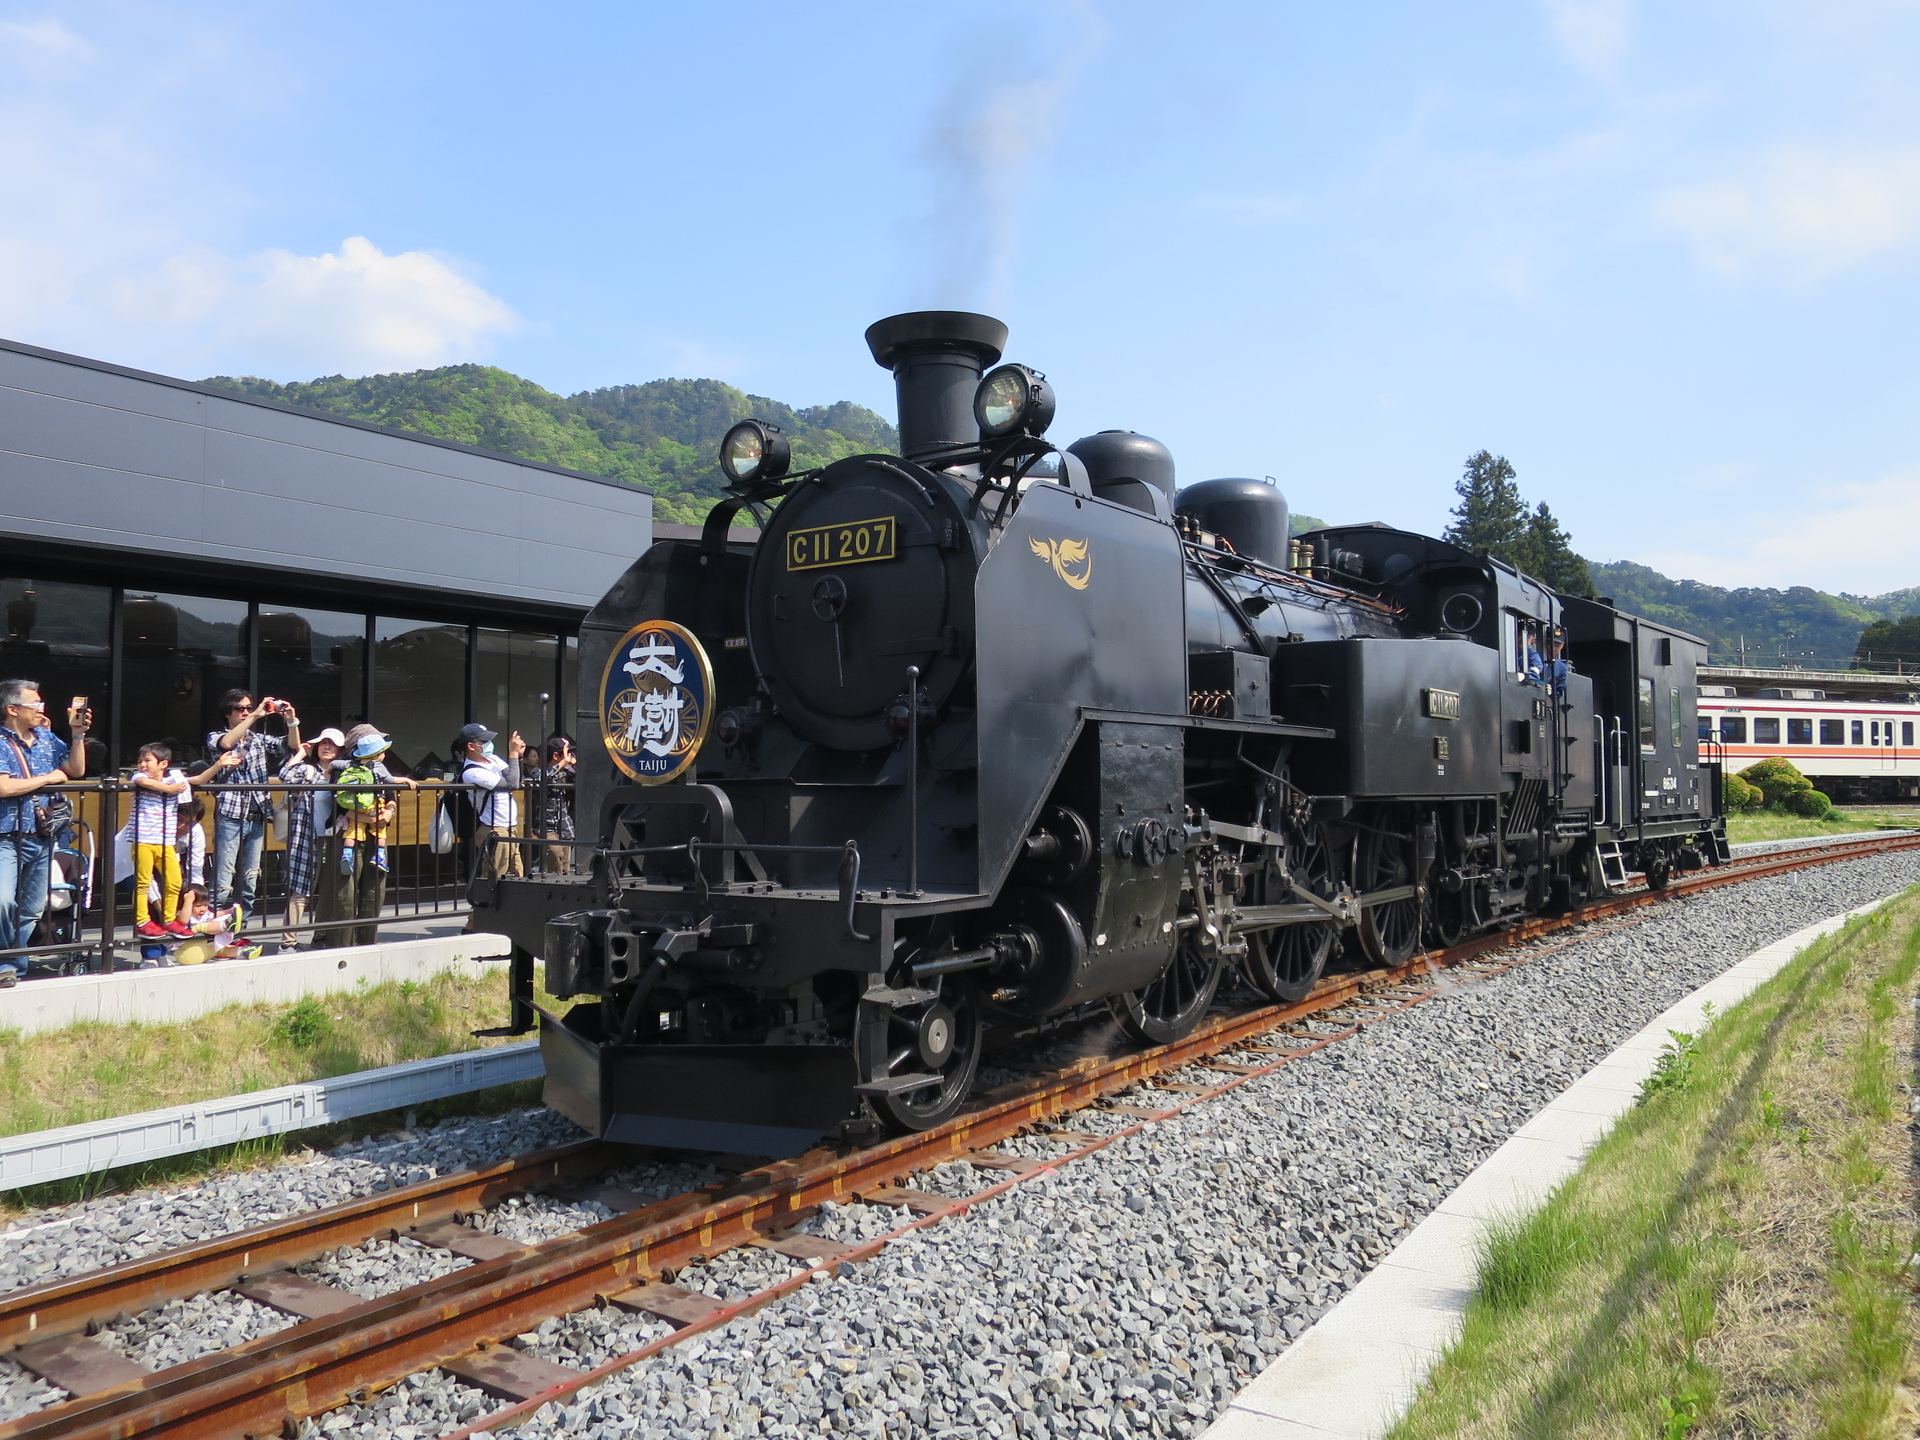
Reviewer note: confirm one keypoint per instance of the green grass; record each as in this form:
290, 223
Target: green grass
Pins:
1845, 820
95, 1071
1731, 1259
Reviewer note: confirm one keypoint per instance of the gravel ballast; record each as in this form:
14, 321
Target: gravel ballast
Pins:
1134, 1292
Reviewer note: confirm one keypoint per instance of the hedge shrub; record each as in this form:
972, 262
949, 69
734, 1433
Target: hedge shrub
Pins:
1810, 803
1737, 794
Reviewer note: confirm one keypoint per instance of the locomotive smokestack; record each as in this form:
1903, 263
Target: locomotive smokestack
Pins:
936, 357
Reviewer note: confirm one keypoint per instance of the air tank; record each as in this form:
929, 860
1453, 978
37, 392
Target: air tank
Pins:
1121, 464
936, 357
1250, 515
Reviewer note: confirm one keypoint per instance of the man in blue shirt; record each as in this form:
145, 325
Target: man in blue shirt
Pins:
32, 757
240, 819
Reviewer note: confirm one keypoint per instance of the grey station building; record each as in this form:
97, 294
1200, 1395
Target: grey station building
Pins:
163, 541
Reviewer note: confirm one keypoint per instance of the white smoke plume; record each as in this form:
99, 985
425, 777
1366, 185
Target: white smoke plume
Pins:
997, 119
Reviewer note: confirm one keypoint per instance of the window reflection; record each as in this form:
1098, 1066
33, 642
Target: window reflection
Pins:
316, 659
512, 670
419, 690
57, 636
180, 654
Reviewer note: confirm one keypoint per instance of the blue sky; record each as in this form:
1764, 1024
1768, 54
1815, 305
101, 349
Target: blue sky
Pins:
1662, 257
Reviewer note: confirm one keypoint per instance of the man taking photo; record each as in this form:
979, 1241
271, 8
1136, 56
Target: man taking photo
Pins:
240, 819
32, 757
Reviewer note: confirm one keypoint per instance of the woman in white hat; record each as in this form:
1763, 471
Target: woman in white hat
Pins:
309, 817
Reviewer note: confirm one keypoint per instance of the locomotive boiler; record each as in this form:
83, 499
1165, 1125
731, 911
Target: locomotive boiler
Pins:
992, 734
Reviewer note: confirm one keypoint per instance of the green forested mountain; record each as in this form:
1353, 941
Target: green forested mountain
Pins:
1799, 625
663, 434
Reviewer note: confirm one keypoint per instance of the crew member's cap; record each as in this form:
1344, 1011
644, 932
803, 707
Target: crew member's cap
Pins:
370, 745
470, 733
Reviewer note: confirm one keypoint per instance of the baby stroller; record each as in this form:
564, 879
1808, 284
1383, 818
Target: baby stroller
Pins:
69, 896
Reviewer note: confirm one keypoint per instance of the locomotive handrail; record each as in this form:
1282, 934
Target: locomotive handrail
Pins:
849, 853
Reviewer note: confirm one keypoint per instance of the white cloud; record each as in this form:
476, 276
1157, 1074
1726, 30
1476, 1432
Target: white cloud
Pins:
1593, 34
1803, 210
1859, 539
353, 311
28, 39
122, 239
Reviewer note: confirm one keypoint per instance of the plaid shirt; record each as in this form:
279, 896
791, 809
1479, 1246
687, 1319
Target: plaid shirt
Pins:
302, 861
259, 754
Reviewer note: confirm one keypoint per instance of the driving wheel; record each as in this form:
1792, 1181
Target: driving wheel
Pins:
1284, 962
1389, 932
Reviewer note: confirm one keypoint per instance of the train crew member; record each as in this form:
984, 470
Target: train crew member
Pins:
1557, 667
557, 768
495, 811
240, 816
32, 758
1536, 667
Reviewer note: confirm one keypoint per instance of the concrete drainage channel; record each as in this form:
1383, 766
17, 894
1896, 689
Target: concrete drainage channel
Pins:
1138, 1286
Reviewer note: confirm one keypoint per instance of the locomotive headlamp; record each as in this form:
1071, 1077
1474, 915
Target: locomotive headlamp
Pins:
753, 451
1013, 400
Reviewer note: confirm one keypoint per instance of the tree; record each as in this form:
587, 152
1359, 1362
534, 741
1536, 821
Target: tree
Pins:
1491, 517
1546, 553
1891, 640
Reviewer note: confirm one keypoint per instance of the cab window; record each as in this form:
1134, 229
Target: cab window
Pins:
1799, 731
1766, 730
1646, 715
1674, 715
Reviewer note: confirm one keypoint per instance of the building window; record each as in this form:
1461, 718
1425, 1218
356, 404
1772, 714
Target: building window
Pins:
317, 659
1733, 730
1646, 715
512, 670
419, 689
1859, 732
59, 636
1833, 732
1799, 731
1766, 731
179, 655
569, 711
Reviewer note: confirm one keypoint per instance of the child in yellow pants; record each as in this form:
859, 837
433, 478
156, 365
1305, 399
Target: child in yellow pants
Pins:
156, 801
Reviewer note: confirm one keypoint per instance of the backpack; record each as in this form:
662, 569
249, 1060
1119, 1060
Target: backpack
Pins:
357, 799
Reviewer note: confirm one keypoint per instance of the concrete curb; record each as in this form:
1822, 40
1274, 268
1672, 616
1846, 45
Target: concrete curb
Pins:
1355, 1371
160, 997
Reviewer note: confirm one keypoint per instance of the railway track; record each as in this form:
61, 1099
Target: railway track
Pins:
344, 1347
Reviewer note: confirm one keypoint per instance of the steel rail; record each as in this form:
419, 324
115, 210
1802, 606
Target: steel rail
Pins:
97, 1296
313, 1367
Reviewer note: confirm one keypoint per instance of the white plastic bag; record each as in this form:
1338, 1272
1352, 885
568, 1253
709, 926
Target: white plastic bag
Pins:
440, 834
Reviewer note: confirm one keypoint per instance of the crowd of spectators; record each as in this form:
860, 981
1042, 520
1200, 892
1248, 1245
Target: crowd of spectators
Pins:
334, 795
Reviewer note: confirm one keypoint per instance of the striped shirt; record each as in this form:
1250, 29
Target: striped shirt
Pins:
155, 814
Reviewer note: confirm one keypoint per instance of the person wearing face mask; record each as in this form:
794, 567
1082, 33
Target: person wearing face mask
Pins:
496, 811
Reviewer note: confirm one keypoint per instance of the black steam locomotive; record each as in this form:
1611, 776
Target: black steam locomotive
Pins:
992, 733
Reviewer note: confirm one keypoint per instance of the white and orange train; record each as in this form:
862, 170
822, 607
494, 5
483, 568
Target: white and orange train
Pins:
1858, 747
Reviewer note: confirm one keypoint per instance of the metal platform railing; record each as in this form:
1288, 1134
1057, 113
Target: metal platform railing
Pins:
431, 854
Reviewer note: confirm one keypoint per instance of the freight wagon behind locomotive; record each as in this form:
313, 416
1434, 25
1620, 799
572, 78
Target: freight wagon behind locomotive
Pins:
996, 734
